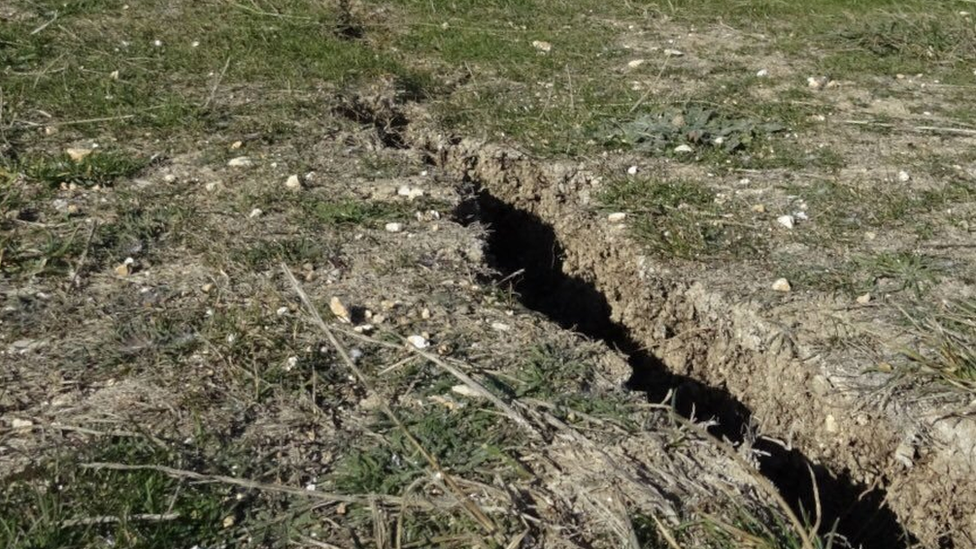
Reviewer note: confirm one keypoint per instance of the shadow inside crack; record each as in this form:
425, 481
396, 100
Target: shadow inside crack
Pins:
525, 253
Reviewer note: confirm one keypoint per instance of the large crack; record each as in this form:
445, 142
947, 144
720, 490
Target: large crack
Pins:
526, 254
717, 363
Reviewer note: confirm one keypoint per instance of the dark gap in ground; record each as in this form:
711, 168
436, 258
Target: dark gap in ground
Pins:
520, 242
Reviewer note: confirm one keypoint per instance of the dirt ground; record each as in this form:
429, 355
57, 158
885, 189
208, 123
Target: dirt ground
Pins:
675, 281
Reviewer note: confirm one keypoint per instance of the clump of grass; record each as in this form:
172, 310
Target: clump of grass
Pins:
467, 442
549, 371
98, 168
905, 39
948, 340
911, 271
891, 271
265, 254
61, 504
680, 219
747, 528
352, 212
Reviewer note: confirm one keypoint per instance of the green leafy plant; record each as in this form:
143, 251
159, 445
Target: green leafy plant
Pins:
695, 125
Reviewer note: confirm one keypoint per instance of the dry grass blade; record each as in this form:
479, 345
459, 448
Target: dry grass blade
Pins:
517, 540
950, 336
665, 533
762, 481
87, 521
476, 513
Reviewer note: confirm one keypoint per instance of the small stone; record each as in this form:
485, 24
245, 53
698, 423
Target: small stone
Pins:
21, 424
446, 402
169, 178
212, 186
50, 130
207, 288
501, 327
339, 310
616, 217
632, 170
817, 82
393, 227
293, 183
229, 520
410, 192
542, 46
673, 53
786, 221
782, 285
256, 212
418, 341
863, 299
905, 454
425, 313
236, 145
683, 149
77, 154
123, 269
466, 391
114, 75
635, 63
904, 177
762, 73
240, 162
830, 424
759, 208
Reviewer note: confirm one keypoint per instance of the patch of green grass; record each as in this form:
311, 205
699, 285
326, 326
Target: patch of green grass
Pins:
766, 529
680, 219
172, 68
917, 41
62, 504
466, 441
910, 271
269, 253
355, 212
844, 211
99, 168
48, 252
549, 371
887, 272
948, 343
